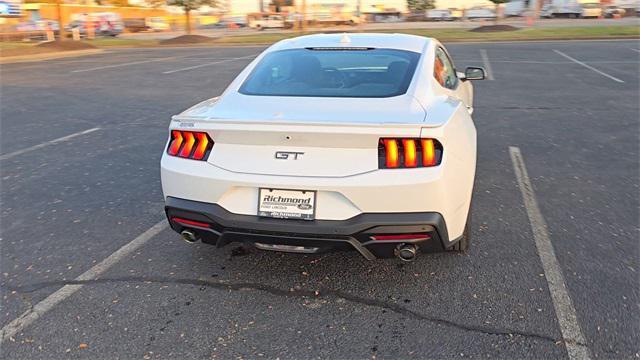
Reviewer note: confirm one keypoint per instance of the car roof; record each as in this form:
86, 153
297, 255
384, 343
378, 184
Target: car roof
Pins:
357, 40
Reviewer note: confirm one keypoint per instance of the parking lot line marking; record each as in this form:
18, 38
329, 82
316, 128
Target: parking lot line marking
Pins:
487, 64
636, 50
208, 64
123, 64
561, 62
44, 144
39, 309
588, 66
565, 312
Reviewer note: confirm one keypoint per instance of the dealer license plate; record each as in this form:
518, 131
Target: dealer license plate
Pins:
287, 204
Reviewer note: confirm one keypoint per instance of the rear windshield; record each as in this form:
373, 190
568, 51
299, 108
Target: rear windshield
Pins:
367, 73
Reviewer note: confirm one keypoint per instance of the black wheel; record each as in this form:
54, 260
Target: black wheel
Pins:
463, 244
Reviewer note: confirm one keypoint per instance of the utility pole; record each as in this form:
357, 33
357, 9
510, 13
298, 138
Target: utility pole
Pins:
61, 33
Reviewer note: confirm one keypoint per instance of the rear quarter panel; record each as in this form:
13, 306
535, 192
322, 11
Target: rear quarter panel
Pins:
459, 141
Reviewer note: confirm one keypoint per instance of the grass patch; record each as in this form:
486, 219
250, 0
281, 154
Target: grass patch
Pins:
121, 42
446, 35
529, 33
9, 45
570, 33
17, 48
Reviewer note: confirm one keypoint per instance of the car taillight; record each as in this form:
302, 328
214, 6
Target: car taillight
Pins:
182, 221
190, 144
391, 153
408, 153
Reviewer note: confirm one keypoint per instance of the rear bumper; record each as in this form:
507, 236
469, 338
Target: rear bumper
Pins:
224, 227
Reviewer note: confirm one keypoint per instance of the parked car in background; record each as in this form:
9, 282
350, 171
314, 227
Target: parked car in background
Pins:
515, 8
591, 10
157, 23
439, 15
268, 22
561, 8
480, 13
233, 22
239, 21
613, 11
103, 24
36, 30
39, 25
456, 14
135, 25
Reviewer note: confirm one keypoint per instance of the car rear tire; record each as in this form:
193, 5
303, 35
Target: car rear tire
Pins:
465, 241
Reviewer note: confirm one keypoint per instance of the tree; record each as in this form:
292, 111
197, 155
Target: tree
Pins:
119, 3
420, 5
61, 32
497, 3
190, 5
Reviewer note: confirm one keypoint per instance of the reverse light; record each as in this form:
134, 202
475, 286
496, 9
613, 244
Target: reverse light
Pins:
408, 153
183, 143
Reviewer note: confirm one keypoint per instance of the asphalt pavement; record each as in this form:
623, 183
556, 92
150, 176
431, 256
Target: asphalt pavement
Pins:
80, 145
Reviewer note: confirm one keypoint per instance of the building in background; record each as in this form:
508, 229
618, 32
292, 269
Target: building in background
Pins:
10, 8
10, 12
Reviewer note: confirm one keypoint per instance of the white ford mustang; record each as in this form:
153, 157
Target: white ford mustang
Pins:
333, 141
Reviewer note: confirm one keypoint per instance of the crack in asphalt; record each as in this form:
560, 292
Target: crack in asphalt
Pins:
292, 293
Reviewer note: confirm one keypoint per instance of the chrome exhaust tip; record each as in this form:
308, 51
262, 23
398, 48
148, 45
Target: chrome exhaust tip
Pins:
189, 236
406, 252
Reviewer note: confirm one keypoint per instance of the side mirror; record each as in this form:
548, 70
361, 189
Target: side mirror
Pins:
474, 73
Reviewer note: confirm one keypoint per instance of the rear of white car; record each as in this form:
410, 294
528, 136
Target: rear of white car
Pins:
383, 175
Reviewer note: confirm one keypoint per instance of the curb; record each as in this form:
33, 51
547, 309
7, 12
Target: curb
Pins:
47, 56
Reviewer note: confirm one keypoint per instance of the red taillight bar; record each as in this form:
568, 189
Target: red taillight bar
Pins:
183, 143
428, 153
408, 153
189, 222
175, 143
203, 144
188, 144
391, 148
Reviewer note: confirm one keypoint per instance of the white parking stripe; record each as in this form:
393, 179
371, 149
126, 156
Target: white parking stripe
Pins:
123, 64
588, 66
565, 312
208, 64
52, 142
38, 310
561, 62
636, 50
487, 64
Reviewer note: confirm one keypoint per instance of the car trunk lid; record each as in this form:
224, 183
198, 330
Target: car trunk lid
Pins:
321, 137
298, 149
